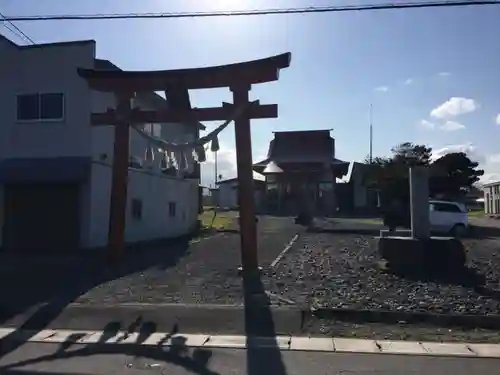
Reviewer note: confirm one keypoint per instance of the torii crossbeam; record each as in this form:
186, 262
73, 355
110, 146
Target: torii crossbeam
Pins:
176, 84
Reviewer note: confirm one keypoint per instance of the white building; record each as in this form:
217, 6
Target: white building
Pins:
227, 193
492, 198
55, 169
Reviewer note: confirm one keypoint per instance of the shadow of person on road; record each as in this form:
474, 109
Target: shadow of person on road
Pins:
52, 284
170, 348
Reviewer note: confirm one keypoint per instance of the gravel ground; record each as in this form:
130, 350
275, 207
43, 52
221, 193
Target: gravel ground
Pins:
203, 272
342, 270
324, 269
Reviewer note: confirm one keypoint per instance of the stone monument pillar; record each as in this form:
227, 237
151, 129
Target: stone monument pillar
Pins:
419, 202
420, 252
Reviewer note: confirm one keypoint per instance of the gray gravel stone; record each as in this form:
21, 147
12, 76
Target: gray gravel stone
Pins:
341, 270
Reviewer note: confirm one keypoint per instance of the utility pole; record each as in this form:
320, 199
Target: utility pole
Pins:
215, 180
371, 133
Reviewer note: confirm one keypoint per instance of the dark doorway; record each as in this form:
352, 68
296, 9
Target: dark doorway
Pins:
41, 217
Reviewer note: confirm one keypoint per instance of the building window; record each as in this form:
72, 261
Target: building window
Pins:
136, 209
36, 107
446, 207
171, 209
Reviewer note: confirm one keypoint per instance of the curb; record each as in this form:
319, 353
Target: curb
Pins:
286, 343
284, 251
398, 317
301, 315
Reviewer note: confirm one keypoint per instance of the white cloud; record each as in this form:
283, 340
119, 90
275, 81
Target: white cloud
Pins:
491, 169
382, 89
451, 126
409, 81
495, 158
444, 74
469, 148
453, 107
426, 124
226, 166
497, 120
489, 177
447, 126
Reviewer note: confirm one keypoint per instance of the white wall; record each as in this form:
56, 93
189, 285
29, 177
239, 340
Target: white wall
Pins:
492, 199
359, 189
359, 194
51, 68
156, 192
228, 195
154, 189
102, 137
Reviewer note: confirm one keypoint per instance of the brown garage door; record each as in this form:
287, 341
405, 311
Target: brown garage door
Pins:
41, 218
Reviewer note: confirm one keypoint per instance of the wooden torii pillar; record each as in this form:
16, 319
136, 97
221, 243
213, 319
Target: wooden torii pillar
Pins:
176, 84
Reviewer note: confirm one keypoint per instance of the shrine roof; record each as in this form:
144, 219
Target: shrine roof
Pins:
249, 72
297, 159
235, 179
308, 146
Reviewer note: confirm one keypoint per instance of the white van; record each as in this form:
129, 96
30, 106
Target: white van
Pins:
450, 217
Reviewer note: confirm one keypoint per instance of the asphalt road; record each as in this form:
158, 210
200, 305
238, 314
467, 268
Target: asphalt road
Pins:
44, 359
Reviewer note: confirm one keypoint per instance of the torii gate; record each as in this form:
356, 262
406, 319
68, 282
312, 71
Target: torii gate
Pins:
176, 84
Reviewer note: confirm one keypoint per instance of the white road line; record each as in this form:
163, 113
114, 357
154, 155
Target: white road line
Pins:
284, 251
293, 343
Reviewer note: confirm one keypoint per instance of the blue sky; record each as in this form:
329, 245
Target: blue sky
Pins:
432, 75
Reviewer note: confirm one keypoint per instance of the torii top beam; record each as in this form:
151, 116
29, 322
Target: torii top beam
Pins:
250, 72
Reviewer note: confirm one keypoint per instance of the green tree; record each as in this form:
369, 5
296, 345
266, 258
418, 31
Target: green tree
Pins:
390, 175
408, 153
453, 175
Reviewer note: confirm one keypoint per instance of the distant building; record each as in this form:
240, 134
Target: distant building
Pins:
354, 194
301, 170
226, 196
492, 198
